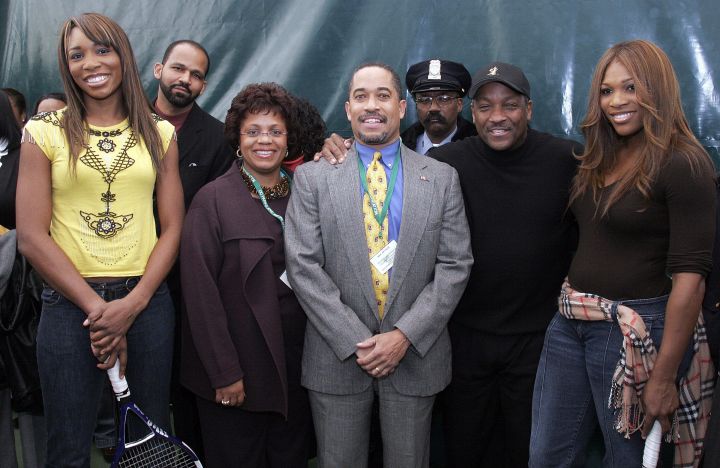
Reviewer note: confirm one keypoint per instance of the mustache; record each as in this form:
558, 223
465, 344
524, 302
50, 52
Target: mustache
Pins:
369, 115
435, 116
186, 88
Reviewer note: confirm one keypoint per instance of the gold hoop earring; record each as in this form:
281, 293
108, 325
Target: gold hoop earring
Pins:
238, 154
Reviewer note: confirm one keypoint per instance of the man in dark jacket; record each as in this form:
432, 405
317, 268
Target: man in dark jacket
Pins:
438, 88
204, 155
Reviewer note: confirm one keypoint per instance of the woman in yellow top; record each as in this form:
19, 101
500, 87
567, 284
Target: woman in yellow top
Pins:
87, 176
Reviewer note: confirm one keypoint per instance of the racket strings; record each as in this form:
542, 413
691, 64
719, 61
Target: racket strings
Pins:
156, 453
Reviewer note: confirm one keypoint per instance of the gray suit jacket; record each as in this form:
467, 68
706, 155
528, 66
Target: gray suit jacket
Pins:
329, 269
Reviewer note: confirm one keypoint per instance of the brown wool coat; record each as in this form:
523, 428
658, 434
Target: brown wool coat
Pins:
231, 325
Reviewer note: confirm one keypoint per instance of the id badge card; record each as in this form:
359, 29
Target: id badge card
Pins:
383, 260
284, 279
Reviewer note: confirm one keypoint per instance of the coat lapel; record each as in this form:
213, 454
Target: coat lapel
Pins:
256, 240
418, 188
344, 188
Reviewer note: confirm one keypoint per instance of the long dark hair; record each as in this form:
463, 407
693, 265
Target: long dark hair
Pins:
9, 129
102, 30
665, 129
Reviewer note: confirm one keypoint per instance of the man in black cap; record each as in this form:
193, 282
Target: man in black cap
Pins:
438, 88
515, 181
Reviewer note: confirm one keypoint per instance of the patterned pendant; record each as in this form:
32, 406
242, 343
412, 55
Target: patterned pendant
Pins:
106, 145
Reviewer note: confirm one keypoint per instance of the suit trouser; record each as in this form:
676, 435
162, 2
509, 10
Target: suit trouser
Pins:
342, 427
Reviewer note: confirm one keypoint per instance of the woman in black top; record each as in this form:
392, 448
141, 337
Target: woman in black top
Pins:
9, 156
644, 202
30, 419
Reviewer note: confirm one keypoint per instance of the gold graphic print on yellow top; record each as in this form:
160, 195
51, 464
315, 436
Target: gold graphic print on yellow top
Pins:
107, 223
377, 186
102, 217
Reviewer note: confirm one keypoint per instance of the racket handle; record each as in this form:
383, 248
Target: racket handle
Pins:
652, 446
119, 384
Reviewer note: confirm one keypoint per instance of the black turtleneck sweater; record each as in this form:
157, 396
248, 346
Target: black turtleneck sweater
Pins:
523, 234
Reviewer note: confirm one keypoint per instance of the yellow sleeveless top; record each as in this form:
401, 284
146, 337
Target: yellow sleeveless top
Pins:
102, 217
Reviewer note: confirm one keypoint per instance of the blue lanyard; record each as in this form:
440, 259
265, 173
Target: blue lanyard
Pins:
380, 215
261, 194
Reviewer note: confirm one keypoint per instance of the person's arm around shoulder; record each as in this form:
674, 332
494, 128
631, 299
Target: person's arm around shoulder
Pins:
335, 149
318, 295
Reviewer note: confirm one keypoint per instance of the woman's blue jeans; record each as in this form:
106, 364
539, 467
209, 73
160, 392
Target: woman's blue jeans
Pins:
572, 388
72, 384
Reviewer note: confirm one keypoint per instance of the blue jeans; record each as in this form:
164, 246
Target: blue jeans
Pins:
72, 384
572, 388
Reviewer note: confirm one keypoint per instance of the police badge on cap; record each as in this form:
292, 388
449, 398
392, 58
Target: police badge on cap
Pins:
438, 75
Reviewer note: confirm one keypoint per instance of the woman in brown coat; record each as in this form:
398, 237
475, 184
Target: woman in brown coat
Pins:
243, 328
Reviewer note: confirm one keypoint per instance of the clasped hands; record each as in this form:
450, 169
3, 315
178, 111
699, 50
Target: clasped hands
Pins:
108, 324
380, 354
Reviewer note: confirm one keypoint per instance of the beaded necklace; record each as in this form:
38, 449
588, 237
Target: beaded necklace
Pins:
106, 144
279, 190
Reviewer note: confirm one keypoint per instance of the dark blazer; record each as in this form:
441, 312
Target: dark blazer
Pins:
232, 328
204, 152
464, 129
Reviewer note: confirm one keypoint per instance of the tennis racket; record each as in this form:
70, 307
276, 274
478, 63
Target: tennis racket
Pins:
157, 448
652, 446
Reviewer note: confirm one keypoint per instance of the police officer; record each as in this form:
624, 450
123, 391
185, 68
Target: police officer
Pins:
437, 87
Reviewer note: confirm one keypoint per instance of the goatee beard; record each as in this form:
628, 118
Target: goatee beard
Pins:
374, 140
175, 100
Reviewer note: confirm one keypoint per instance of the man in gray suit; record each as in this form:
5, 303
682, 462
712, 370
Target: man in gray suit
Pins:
363, 341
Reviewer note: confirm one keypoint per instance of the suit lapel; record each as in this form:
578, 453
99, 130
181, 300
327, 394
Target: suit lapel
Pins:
418, 188
344, 188
188, 135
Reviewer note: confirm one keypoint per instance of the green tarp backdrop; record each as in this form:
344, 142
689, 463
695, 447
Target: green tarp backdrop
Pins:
311, 46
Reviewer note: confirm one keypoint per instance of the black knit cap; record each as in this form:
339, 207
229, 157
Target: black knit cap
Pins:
438, 75
504, 73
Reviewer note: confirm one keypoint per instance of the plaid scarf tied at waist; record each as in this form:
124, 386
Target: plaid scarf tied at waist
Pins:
637, 359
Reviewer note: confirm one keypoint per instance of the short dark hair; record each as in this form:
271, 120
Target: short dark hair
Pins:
393, 74
260, 98
58, 96
17, 99
312, 130
192, 43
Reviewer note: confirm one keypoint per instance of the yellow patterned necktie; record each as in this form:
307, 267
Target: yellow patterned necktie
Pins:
377, 186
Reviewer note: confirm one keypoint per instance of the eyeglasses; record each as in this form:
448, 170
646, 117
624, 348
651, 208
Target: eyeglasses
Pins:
257, 133
442, 101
